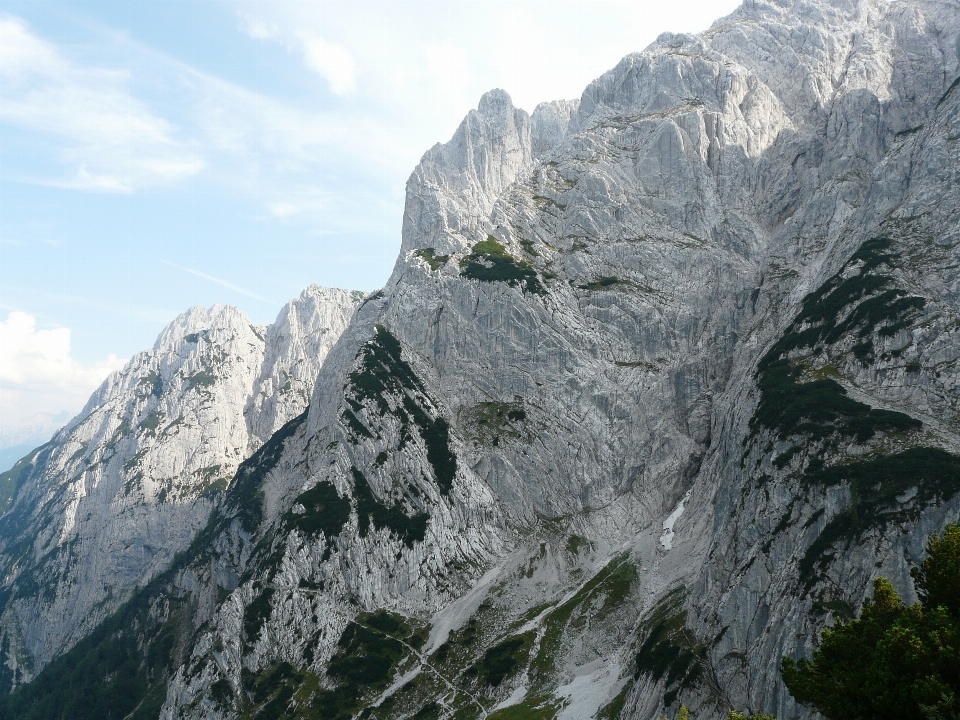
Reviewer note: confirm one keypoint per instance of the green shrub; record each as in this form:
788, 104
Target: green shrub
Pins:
874, 487
895, 661
490, 262
430, 257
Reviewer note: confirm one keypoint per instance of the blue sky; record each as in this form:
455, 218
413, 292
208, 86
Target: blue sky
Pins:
159, 154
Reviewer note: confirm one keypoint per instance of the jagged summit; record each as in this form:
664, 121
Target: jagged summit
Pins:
126, 484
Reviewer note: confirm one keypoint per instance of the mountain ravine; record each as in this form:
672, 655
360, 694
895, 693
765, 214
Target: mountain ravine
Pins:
662, 379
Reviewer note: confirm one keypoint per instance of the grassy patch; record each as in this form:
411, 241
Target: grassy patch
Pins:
650, 367
612, 710
495, 420
201, 379
431, 258
150, 384
152, 421
600, 594
575, 542
367, 654
540, 708
529, 247
490, 262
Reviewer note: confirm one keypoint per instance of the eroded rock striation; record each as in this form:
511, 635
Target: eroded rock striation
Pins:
126, 485
662, 378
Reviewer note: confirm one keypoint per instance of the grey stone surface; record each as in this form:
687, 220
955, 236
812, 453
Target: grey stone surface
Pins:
664, 232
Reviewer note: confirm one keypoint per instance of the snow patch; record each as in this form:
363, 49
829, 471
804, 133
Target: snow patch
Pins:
458, 612
592, 687
515, 698
666, 539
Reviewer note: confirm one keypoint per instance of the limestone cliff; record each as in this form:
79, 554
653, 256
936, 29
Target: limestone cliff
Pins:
661, 379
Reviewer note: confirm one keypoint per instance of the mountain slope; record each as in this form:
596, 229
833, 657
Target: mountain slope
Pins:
662, 378
125, 486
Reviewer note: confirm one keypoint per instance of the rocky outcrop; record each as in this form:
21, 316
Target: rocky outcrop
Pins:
295, 347
126, 485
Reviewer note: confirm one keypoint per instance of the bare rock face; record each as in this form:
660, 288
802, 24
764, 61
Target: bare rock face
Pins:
127, 484
662, 379
296, 345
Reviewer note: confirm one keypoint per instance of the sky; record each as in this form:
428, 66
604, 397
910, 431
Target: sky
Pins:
161, 154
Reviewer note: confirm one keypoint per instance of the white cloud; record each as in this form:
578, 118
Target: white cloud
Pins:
449, 69
329, 60
110, 140
218, 281
38, 377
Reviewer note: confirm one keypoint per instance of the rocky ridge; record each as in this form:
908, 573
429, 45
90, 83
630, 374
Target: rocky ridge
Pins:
662, 378
126, 485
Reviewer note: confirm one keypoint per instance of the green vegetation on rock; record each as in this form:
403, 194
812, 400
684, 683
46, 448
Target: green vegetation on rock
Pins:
597, 597
504, 659
201, 379
367, 654
895, 661
496, 420
324, 511
670, 650
490, 262
430, 257
821, 408
601, 283
245, 494
881, 308
383, 372
537, 708
875, 486
409, 528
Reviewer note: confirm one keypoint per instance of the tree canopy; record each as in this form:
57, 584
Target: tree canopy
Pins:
896, 661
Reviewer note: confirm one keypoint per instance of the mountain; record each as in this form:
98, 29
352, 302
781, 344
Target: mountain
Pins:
126, 485
662, 378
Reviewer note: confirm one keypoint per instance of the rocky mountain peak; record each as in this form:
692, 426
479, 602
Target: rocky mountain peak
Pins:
662, 379
149, 455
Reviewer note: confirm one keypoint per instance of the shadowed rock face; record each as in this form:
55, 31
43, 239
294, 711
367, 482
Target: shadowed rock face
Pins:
661, 379
125, 486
